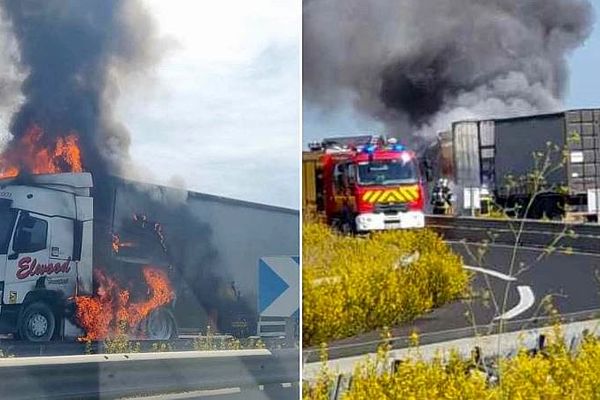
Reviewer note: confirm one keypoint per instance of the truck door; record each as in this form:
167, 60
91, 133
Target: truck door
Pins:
27, 256
340, 185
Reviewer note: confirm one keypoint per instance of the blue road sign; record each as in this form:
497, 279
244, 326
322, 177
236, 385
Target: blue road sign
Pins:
278, 286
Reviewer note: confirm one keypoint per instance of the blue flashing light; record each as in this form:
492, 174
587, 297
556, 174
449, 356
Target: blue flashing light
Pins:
369, 149
398, 147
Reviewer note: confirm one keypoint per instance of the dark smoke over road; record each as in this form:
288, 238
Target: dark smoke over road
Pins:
418, 64
76, 55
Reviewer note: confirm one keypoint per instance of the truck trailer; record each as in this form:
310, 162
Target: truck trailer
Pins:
180, 261
497, 155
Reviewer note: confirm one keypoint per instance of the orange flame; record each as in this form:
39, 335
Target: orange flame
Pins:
64, 155
117, 244
104, 314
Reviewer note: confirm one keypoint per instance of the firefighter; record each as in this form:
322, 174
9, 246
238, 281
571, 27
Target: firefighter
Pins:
441, 197
487, 201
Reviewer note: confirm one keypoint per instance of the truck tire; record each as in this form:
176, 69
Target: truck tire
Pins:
160, 325
37, 323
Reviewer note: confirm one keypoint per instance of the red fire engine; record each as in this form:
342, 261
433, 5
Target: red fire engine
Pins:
363, 183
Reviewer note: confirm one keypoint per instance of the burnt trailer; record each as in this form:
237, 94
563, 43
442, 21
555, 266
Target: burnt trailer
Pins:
212, 245
497, 155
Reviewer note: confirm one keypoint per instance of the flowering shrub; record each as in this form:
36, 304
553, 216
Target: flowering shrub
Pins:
555, 373
352, 284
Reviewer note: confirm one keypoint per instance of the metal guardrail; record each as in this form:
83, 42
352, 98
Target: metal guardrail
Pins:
575, 237
135, 374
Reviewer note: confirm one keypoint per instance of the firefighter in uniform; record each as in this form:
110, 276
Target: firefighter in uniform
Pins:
441, 197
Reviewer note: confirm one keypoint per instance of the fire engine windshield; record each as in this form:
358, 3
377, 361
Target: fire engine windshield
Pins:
7, 222
388, 172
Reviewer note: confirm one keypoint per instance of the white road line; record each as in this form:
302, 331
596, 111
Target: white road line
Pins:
491, 272
194, 394
526, 300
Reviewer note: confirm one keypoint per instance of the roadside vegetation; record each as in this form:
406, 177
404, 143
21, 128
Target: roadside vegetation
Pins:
556, 372
353, 285
210, 341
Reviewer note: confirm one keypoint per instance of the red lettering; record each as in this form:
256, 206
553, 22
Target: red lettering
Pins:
66, 266
23, 268
37, 270
26, 268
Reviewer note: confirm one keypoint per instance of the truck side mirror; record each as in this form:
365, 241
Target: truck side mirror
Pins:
77, 240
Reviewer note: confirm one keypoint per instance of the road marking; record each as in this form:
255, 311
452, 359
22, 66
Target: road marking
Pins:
194, 394
134, 357
526, 300
491, 272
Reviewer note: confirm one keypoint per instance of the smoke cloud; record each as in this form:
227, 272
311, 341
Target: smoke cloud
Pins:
416, 65
76, 56
67, 61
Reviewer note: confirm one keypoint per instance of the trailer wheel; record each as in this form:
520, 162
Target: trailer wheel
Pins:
160, 325
37, 323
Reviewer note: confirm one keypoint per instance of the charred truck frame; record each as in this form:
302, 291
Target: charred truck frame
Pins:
483, 154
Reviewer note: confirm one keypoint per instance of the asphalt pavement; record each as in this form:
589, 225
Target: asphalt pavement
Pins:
255, 374
571, 281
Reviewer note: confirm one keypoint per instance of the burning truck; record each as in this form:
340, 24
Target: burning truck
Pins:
91, 257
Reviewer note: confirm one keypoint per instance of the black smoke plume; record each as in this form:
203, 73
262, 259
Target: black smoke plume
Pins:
76, 55
418, 64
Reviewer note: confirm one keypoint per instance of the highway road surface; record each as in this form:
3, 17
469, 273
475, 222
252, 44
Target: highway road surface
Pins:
225, 374
571, 280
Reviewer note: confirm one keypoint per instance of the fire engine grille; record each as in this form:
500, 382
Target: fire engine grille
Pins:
390, 208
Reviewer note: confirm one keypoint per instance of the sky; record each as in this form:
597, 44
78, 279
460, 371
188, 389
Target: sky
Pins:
584, 88
221, 112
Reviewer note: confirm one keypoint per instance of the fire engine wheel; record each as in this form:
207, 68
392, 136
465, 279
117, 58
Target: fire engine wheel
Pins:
37, 323
160, 325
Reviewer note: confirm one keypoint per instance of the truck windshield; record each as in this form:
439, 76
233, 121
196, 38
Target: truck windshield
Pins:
388, 172
7, 222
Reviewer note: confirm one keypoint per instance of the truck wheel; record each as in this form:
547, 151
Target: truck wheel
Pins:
37, 323
160, 325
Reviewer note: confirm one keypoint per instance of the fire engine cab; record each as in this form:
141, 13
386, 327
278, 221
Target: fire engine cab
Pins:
364, 183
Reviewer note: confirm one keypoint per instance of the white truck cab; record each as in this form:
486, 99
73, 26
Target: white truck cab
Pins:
46, 236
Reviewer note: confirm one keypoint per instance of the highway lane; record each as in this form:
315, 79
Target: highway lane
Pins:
570, 279
255, 373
